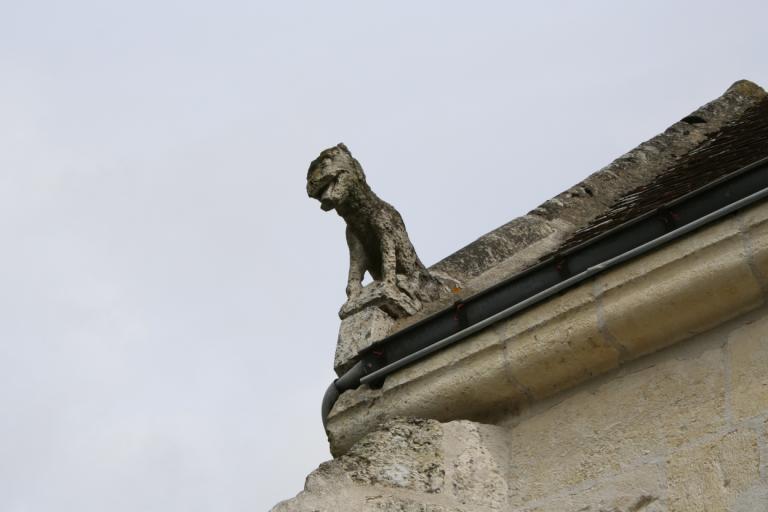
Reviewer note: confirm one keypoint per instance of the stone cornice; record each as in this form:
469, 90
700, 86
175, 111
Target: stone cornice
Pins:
649, 303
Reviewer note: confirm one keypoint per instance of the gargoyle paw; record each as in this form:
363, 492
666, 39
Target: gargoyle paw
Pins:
353, 290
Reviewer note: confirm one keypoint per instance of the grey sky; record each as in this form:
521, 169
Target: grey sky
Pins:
168, 293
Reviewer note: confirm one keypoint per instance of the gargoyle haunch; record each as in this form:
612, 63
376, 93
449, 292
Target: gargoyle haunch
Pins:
376, 236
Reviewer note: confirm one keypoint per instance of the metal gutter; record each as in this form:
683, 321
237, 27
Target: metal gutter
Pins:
639, 236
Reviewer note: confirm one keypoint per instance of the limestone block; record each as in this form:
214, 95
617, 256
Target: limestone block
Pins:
698, 291
477, 385
608, 428
568, 350
748, 355
716, 476
403, 453
636, 490
685, 399
357, 332
412, 465
476, 472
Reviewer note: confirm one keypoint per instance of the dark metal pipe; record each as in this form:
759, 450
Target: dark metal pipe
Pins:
350, 380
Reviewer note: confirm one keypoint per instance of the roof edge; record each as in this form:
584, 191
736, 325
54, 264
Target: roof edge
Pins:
523, 241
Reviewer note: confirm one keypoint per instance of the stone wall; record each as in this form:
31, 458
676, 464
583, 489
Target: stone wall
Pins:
681, 430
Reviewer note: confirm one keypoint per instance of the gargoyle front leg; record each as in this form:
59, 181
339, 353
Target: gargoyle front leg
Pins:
357, 265
388, 261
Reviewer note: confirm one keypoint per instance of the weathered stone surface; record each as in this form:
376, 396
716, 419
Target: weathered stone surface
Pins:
636, 490
606, 429
357, 332
412, 465
327, 477
477, 473
494, 247
568, 350
376, 236
717, 476
403, 453
388, 298
748, 355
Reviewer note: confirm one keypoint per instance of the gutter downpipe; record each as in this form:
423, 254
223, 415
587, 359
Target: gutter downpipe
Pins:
358, 375
350, 380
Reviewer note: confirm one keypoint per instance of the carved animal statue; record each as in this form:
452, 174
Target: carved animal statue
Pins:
376, 236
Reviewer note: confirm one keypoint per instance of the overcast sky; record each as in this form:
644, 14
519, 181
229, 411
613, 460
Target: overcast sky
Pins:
168, 293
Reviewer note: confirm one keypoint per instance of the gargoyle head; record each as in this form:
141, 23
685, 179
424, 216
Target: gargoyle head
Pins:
335, 177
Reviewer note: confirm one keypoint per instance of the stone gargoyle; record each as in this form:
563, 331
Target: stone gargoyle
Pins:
376, 236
